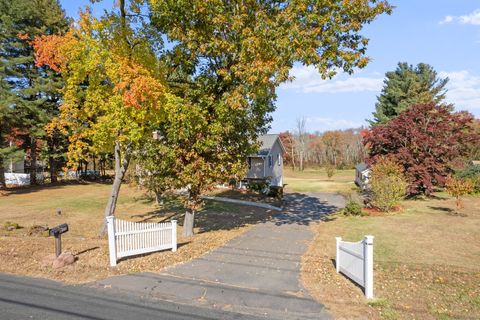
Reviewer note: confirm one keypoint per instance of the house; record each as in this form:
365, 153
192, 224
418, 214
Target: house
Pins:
267, 163
362, 173
18, 174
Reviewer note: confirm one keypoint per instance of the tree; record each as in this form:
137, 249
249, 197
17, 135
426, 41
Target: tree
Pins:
29, 93
114, 93
387, 183
300, 142
332, 141
406, 86
228, 58
457, 188
288, 143
219, 75
424, 139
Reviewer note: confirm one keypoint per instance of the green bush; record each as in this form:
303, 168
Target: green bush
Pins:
330, 170
353, 208
259, 186
472, 174
387, 183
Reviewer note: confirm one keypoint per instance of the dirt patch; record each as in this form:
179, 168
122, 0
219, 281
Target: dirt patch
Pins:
24, 252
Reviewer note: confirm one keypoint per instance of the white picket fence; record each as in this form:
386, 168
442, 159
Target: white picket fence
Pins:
126, 238
355, 260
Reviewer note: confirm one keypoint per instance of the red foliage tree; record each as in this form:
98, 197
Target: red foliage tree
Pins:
425, 139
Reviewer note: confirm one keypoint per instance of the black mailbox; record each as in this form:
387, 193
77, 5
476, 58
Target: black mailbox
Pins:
58, 230
57, 233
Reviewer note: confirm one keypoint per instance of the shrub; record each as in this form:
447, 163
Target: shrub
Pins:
387, 183
259, 186
457, 188
330, 170
353, 208
471, 173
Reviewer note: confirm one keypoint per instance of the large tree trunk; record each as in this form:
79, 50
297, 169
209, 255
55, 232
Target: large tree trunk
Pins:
159, 198
121, 166
188, 223
33, 161
3, 184
53, 169
52, 164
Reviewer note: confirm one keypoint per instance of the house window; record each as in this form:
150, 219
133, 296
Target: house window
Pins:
279, 159
249, 163
270, 161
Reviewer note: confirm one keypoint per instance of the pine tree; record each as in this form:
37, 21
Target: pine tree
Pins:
406, 86
29, 93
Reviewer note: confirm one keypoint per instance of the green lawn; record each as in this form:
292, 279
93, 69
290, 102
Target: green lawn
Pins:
316, 180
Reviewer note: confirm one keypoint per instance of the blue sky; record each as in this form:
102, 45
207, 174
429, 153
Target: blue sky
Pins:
442, 33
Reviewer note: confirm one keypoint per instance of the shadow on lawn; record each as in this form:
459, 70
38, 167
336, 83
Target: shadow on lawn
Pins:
299, 209
15, 190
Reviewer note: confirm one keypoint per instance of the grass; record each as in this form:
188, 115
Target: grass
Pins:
82, 208
315, 180
426, 260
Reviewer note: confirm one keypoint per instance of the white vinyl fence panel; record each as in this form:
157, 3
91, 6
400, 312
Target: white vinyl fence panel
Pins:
21, 179
355, 260
126, 238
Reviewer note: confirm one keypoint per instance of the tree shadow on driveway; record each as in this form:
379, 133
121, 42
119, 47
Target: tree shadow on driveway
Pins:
303, 209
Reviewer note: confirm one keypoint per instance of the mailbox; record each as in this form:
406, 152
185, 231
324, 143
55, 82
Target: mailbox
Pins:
57, 233
58, 230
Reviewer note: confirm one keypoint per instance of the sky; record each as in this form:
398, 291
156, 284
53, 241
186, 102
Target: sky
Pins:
442, 33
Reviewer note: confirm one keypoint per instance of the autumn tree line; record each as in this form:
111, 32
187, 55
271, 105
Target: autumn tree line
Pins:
180, 88
341, 149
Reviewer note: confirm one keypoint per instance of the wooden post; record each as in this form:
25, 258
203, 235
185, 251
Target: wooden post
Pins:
111, 240
174, 235
368, 266
337, 258
58, 245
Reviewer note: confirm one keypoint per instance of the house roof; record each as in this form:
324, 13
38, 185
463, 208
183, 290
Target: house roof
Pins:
361, 167
266, 144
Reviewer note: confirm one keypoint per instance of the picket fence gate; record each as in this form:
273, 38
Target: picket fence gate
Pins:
126, 238
355, 260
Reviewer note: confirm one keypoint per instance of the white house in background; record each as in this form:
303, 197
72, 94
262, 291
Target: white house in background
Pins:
267, 163
362, 174
15, 173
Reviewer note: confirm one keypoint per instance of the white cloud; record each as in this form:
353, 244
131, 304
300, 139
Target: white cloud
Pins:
463, 89
324, 124
471, 18
308, 80
447, 19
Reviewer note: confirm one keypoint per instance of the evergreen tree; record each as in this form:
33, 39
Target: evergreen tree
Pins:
29, 93
406, 86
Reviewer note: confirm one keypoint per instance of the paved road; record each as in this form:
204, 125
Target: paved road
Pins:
256, 273
30, 298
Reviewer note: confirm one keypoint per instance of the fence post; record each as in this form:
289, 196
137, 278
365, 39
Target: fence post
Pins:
112, 248
368, 266
337, 258
174, 235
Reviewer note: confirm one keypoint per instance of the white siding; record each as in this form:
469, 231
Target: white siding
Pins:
275, 172
256, 170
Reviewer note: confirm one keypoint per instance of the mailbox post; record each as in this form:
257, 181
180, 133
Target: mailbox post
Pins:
57, 233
